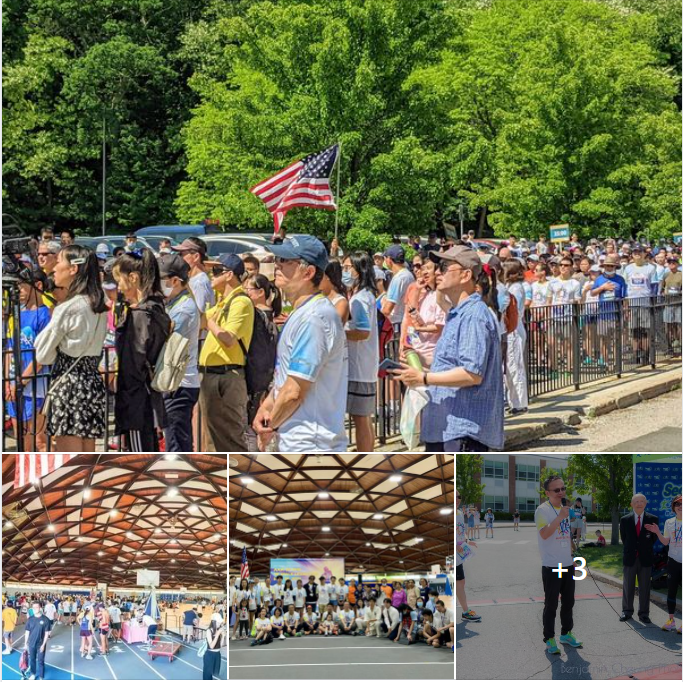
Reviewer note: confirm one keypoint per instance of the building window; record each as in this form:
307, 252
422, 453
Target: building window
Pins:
495, 469
526, 504
496, 502
527, 472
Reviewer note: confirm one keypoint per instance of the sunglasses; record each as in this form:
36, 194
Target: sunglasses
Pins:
284, 261
566, 265
558, 490
444, 267
218, 270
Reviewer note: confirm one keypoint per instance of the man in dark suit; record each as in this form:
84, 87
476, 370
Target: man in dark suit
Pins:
638, 558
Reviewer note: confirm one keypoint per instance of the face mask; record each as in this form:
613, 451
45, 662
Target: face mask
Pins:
166, 289
420, 604
608, 273
348, 279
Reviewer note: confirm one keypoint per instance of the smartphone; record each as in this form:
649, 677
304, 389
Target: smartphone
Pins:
388, 363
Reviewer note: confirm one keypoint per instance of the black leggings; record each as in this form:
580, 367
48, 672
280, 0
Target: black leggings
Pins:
674, 568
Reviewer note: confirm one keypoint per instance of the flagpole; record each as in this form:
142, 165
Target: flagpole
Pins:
336, 218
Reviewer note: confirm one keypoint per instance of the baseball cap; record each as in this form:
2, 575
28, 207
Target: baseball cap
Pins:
594, 268
304, 247
102, 251
396, 253
671, 259
533, 256
637, 247
189, 245
462, 255
230, 261
173, 265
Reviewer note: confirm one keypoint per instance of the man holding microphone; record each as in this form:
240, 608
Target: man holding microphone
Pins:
554, 544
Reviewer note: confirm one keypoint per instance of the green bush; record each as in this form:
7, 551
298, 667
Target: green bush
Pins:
362, 239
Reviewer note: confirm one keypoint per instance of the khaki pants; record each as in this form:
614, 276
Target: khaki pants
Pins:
223, 402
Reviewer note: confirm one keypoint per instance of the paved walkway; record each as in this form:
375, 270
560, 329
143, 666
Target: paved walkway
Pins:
503, 584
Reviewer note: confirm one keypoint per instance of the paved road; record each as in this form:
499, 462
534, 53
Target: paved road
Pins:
508, 642
650, 426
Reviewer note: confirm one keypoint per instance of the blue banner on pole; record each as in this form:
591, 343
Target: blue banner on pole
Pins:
660, 482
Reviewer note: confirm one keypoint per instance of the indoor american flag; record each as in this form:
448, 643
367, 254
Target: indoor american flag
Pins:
31, 468
245, 564
303, 183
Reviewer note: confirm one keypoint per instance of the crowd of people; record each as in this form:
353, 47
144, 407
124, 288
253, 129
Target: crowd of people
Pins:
99, 622
265, 612
282, 363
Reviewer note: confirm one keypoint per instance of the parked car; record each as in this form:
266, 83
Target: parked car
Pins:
178, 232
217, 244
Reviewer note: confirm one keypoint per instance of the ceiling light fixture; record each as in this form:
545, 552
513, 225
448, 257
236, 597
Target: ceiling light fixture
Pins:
51, 528
9, 524
446, 511
86, 493
170, 458
326, 529
193, 509
172, 492
396, 479
113, 512
323, 496
247, 481
271, 518
379, 517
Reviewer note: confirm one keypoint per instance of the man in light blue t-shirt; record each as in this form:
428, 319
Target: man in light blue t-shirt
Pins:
393, 304
307, 404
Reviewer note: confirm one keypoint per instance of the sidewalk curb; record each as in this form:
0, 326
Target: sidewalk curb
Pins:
615, 582
605, 401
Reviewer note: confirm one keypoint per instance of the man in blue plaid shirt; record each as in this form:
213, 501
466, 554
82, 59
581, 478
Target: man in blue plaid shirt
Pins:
465, 410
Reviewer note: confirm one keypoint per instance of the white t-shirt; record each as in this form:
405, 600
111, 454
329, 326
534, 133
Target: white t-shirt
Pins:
278, 591
396, 293
311, 618
277, 620
262, 623
291, 619
517, 290
557, 548
442, 619
639, 279
202, 291
50, 610
672, 529
460, 534
299, 598
539, 293
564, 290
347, 617
312, 346
363, 355
323, 595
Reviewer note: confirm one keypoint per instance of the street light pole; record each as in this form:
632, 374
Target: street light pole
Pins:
104, 173
461, 211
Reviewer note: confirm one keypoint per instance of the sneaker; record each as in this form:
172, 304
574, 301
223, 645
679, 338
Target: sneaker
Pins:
299, 634
570, 639
234, 638
518, 410
82, 654
470, 615
88, 657
551, 646
669, 625
281, 637
253, 643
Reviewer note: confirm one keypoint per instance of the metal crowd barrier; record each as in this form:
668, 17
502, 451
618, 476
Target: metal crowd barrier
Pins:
567, 346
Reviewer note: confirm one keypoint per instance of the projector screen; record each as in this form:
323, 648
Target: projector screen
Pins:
296, 569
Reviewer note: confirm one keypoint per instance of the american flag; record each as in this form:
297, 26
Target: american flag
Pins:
245, 565
30, 468
304, 183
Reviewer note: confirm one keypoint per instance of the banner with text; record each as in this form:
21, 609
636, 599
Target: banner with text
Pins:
296, 569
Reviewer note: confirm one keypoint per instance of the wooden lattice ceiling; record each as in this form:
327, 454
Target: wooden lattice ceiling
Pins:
169, 515
286, 488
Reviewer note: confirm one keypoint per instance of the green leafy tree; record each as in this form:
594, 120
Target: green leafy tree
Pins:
298, 76
547, 112
612, 478
466, 468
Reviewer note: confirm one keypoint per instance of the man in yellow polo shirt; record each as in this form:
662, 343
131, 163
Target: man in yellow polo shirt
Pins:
223, 391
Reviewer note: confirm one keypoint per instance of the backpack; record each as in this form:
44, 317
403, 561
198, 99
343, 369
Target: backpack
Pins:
260, 357
511, 315
171, 364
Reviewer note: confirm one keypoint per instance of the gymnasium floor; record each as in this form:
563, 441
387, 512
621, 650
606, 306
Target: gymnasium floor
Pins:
124, 662
343, 657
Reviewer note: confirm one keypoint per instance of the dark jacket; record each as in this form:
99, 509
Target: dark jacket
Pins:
642, 544
140, 336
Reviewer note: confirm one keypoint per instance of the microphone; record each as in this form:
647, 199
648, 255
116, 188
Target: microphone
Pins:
564, 501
